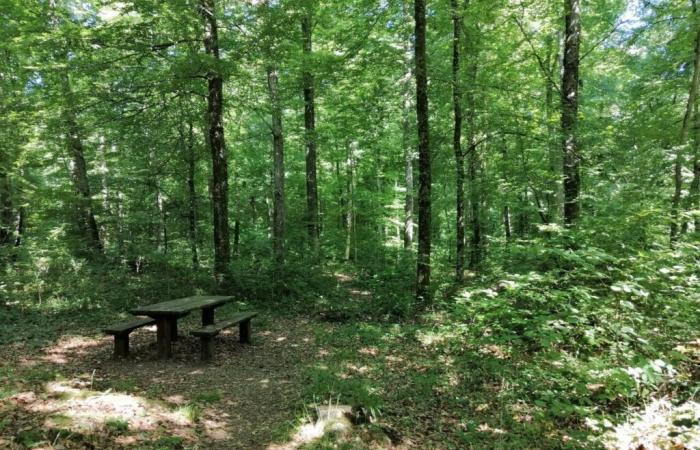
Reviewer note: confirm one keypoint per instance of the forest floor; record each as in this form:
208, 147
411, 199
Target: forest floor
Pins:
420, 384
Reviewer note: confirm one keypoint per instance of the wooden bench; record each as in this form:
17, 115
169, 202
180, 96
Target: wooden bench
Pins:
206, 334
121, 332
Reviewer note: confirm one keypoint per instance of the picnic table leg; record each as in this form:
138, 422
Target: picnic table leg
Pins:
207, 316
164, 325
244, 332
173, 330
121, 345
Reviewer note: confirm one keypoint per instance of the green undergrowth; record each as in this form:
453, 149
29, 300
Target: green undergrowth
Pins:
550, 354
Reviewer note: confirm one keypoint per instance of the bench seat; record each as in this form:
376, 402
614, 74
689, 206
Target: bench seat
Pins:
206, 333
121, 331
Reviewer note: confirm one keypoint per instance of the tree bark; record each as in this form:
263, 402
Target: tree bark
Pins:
350, 193
476, 250
86, 217
21, 225
685, 131
408, 138
278, 197
192, 195
217, 144
423, 293
569, 112
310, 138
695, 186
6, 210
457, 137
476, 242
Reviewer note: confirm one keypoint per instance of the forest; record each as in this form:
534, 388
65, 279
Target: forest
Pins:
462, 224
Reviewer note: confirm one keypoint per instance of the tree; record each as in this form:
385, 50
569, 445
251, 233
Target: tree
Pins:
423, 293
457, 137
217, 144
569, 111
310, 137
278, 200
685, 130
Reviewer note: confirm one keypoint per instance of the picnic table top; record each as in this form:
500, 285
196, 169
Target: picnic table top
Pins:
181, 305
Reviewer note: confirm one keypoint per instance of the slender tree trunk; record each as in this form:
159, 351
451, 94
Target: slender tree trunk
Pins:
457, 138
159, 226
350, 193
408, 141
695, 186
278, 198
86, 222
506, 223
6, 211
476, 247
685, 131
476, 250
310, 138
569, 112
191, 194
423, 293
21, 225
554, 196
217, 144
106, 196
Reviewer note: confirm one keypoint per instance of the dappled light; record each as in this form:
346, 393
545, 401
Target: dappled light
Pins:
349, 225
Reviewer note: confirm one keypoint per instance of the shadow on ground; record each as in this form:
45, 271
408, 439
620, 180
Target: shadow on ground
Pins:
71, 394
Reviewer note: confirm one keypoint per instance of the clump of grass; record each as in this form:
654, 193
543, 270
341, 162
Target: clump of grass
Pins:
167, 443
208, 397
191, 412
117, 425
124, 385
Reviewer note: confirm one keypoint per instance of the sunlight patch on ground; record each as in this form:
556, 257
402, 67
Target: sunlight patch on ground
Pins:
342, 277
84, 410
660, 426
65, 349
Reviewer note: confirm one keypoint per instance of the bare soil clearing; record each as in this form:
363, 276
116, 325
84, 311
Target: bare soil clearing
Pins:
73, 395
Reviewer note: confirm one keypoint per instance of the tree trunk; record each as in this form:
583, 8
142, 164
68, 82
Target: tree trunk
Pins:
106, 196
554, 196
21, 225
310, 138
476, 247
569, 112
192, 196
506, 223
423, 293
695, 187
408, 143
86, 221
685, 130
474, 162
6, 213
217, 144
350, 193
278, 200
457, 138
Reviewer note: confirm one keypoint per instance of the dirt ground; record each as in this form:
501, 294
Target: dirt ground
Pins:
72, 394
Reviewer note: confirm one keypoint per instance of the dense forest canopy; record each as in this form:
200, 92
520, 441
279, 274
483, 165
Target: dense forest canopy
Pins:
530, 168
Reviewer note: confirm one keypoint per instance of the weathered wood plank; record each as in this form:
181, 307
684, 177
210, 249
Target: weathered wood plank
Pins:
211, 330
182, 305
128, 327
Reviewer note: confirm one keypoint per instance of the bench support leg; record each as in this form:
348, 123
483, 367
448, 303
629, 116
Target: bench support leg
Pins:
244, 332
207, 316
121, 346
165, 325
207, 347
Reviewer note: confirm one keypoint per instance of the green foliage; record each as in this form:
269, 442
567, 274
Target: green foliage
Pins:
118, 426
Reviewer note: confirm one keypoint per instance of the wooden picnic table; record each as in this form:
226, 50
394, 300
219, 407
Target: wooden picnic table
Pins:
167, 313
